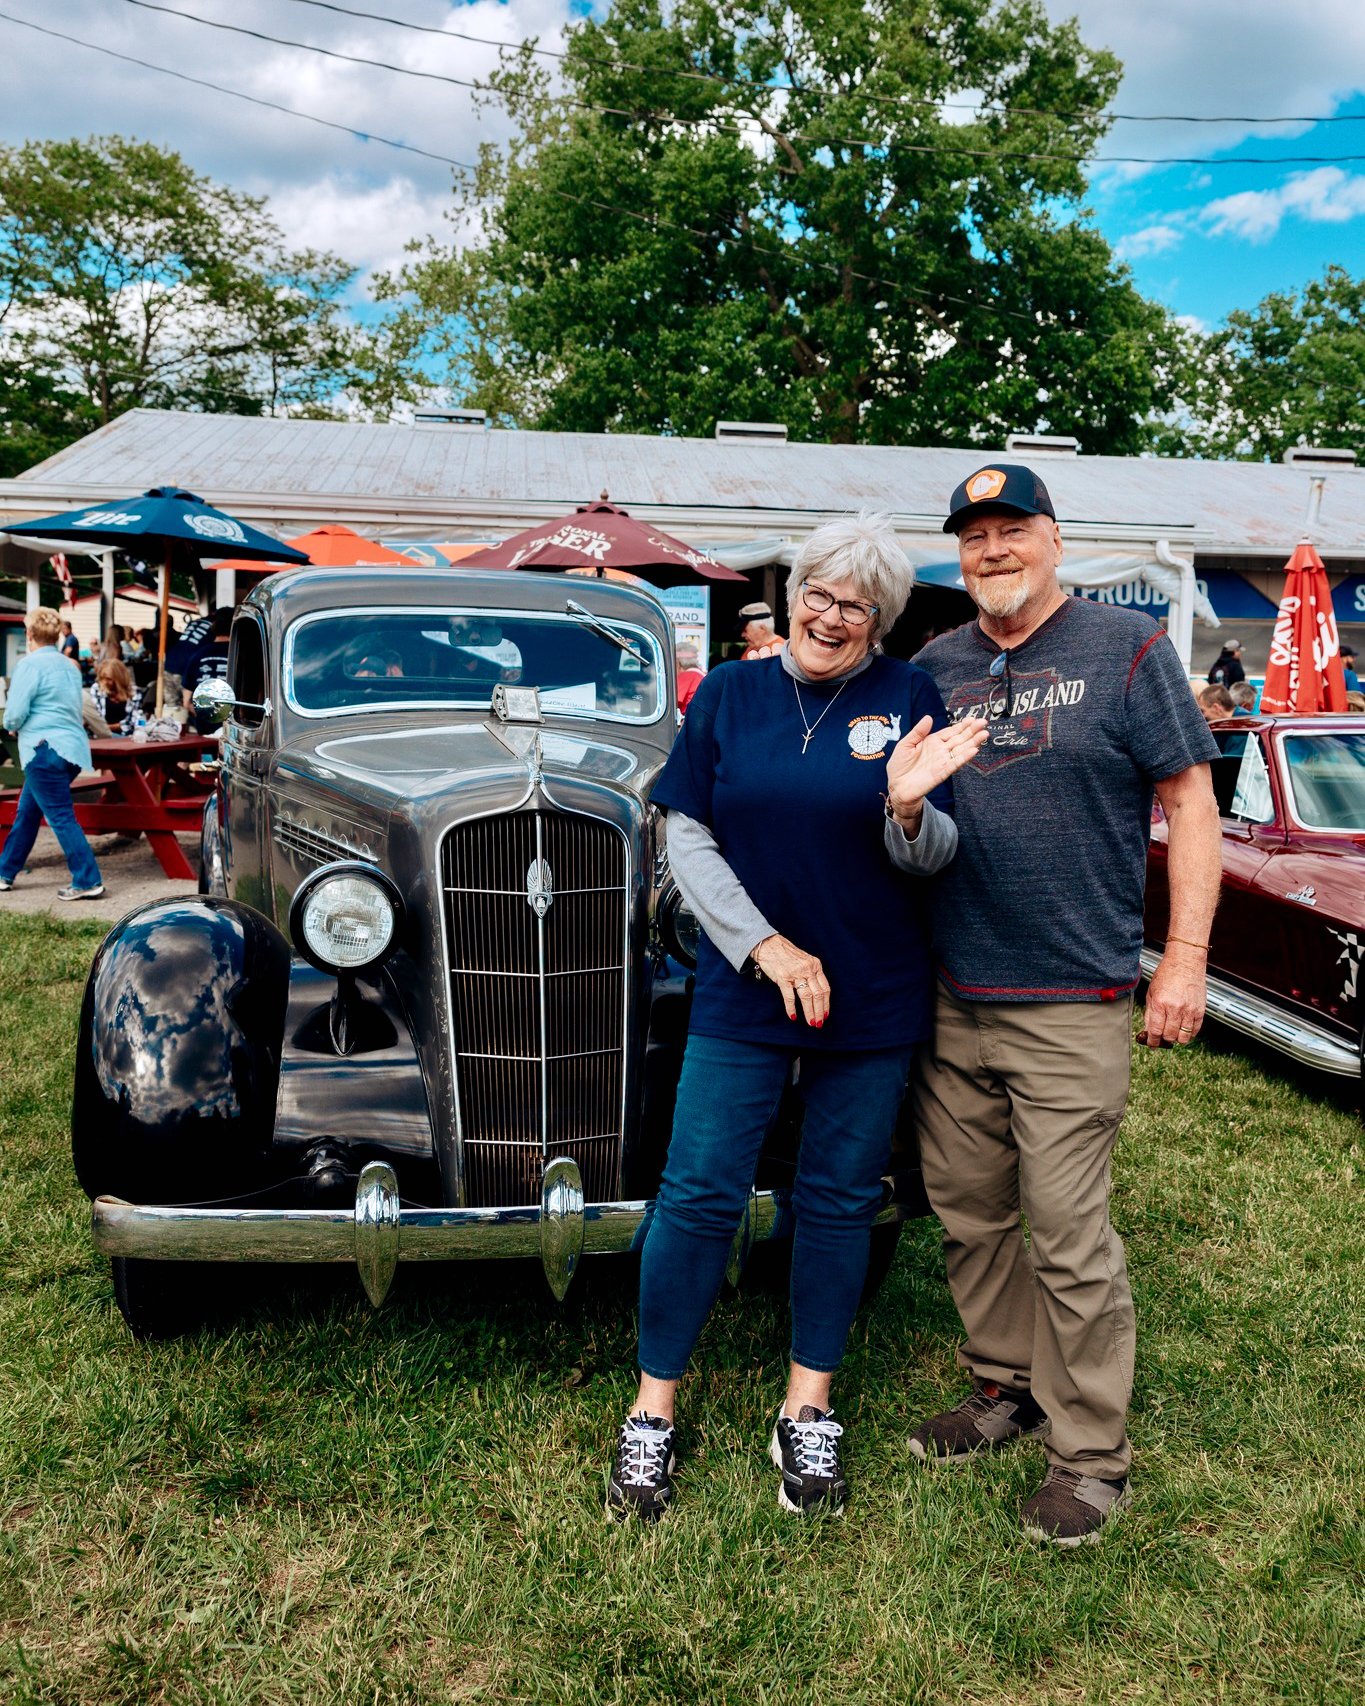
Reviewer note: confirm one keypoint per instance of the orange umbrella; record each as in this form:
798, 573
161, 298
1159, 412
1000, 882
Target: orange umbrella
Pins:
1305, 672
335, 548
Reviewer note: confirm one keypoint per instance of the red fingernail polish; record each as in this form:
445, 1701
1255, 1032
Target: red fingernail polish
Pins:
818, 1023
792, 1017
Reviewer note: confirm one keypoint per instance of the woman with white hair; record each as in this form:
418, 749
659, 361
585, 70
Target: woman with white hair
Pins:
807, 800
44, 708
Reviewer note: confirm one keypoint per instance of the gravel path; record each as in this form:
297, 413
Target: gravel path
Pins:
129, 868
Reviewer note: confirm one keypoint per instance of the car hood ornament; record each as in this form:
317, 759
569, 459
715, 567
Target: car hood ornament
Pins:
540, 887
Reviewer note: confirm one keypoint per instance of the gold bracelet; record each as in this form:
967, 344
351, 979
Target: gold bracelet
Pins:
1203, 947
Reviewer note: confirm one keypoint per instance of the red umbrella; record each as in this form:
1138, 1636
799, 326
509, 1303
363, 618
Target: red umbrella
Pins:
1305, 672
600, 536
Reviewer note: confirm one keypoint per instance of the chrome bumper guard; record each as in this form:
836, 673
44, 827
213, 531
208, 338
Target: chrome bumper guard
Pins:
379, 1233
1300, 1039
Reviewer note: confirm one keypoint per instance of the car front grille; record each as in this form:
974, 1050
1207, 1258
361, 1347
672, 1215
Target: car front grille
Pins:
537, 1000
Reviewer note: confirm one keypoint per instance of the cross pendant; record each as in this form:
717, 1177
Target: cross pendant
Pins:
805, 743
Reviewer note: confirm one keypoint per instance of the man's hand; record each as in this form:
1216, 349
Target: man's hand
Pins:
799, 976
1175, 997
1194, 870
926, 757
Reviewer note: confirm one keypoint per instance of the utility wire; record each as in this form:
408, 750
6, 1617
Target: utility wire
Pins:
790, 89
876, 143
654, 220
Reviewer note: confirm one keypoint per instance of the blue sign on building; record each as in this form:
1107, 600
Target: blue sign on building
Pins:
1348, 599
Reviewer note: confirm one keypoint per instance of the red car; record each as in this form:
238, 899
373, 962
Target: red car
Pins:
1284, 965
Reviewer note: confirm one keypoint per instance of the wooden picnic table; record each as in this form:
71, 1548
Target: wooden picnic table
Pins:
144, 788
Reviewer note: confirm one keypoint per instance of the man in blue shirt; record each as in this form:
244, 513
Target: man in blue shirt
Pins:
1348, 665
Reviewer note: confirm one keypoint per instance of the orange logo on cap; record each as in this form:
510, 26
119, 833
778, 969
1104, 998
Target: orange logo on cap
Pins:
987, 484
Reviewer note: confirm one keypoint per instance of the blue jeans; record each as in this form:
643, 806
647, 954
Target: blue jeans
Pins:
47, 794
728, 1096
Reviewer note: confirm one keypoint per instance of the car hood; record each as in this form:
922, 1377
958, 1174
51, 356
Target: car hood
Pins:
385, 766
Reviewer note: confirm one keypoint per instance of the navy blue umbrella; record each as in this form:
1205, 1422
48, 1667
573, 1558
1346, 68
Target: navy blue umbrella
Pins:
159, 524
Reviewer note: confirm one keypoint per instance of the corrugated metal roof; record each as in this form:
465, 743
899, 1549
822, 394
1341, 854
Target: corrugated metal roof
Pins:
303, 472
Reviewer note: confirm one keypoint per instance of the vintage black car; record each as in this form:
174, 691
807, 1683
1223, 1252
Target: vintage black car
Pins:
432, 999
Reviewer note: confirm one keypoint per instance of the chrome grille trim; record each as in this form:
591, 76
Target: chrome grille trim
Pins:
538, 1004
306, 842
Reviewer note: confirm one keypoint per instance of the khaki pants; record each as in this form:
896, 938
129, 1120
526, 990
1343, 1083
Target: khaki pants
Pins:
1018, 1106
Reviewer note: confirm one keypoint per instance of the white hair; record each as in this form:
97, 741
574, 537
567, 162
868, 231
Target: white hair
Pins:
863, 549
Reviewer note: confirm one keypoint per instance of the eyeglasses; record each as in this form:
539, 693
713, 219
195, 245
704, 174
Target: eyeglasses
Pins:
1000, 667
855, 615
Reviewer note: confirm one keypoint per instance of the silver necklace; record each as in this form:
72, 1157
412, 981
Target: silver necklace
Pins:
809, 726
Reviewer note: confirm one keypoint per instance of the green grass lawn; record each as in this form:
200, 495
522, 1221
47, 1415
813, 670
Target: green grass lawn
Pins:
316, 1503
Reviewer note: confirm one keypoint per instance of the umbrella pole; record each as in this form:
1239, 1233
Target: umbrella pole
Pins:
161, 643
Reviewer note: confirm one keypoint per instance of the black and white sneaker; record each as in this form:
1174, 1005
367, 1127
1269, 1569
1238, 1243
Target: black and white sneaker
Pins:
646, 1450
807, 1452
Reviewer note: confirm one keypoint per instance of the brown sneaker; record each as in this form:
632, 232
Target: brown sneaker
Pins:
1070, 1509
992, 1416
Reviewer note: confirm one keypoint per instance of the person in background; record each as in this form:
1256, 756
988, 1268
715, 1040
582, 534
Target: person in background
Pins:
1243, 699
210, 663
1216, 703
690, 677
1348, 668
1227, 666
69, 646
115, 697
759, 632
113, 644
1355, 702
44, 709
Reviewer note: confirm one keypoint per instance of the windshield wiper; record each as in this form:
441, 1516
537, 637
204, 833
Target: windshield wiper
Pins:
607, 632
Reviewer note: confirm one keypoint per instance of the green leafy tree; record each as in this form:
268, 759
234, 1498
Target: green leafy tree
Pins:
768, 209
1289, 371
129, 280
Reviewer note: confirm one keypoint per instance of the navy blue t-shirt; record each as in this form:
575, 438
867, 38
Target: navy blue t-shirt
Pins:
804, 835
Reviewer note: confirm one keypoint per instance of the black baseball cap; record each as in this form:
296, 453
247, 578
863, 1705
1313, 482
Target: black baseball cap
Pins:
999, 485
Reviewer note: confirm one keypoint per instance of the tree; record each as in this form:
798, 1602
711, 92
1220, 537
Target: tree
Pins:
129, 280
766, 209
1289, 371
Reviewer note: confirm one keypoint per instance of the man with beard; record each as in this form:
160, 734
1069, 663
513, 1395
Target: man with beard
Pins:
1037, 928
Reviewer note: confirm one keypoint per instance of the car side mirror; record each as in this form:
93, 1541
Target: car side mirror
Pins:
217, 700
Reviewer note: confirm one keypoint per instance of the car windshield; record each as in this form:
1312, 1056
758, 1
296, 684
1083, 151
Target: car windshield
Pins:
358, 660
1327, 774
1241, 784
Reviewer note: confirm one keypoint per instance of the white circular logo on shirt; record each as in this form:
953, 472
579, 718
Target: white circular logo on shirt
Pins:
868, 736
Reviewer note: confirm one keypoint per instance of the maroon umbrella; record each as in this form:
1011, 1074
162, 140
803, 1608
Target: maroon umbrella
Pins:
600, 536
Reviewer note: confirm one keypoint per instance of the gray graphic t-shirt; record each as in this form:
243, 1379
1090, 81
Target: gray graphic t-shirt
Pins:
1044, 899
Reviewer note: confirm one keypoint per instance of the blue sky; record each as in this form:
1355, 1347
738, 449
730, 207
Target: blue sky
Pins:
1203, 240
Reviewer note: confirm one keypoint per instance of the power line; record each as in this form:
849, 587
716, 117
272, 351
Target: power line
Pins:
785, 88
653, 220
875, 143
819, 142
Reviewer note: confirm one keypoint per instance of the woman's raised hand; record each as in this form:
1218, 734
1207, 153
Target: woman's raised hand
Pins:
799, 976
928, 756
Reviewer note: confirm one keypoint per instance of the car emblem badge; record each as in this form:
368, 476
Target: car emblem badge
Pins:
540, 887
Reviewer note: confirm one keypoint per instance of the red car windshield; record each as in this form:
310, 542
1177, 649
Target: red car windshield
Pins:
1327, 775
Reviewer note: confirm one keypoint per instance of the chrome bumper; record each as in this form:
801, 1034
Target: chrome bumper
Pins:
378, 1233
1255, 1017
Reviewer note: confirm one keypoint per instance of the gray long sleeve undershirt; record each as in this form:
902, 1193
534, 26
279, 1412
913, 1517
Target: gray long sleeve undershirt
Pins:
718, 898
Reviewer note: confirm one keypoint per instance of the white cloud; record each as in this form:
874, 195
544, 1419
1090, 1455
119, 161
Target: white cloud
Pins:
1151, 240
1245, 60
1326, 195
328, 189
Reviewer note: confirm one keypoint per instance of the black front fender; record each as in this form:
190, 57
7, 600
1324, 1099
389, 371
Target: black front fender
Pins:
178, 1059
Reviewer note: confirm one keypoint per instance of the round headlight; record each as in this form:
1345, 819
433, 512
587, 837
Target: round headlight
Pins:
345, 918
680, 929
